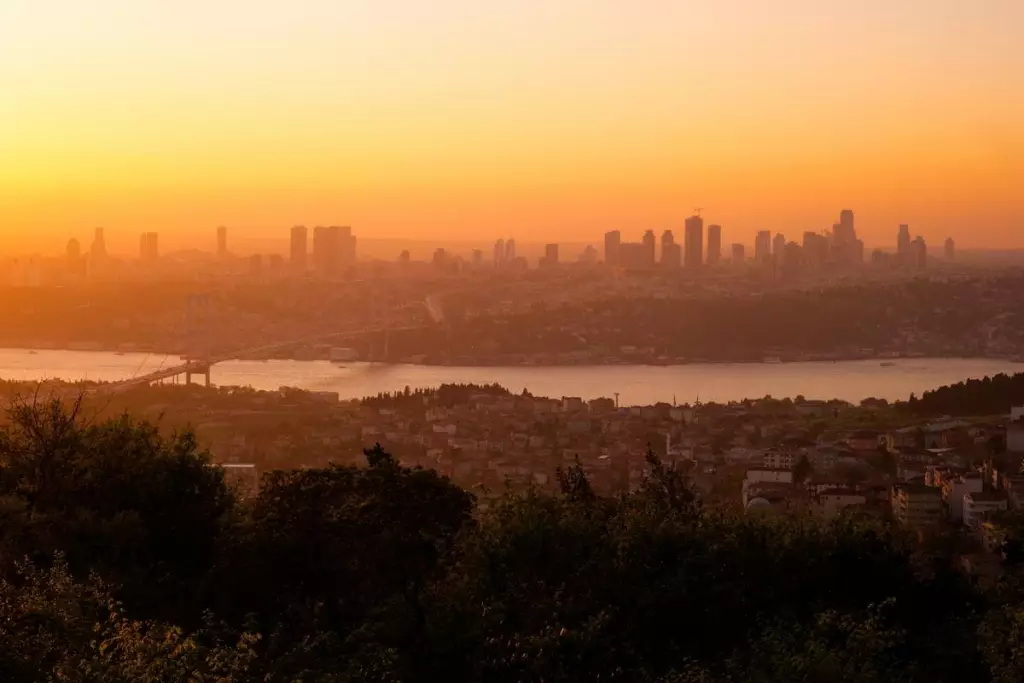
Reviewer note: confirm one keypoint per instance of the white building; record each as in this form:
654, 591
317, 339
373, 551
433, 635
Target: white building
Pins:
977, 505
779, 460
954, 490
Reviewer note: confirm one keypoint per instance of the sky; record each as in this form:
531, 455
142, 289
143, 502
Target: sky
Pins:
547, 121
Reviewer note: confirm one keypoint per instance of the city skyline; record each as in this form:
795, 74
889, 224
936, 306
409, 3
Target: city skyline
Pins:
448, 119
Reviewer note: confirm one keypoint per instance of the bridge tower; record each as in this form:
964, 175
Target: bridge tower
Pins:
197, 317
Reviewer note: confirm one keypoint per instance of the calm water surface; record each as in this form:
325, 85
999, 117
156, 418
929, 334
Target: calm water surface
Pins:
636, 384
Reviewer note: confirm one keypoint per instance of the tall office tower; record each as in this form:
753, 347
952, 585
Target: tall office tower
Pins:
346, 244
739, 255
879, 259
550, 259
857, 252
499, 253
919, 251
74, 250
778, 246
510, 250
222, 242
478, 257
763, 246
99, 245
903, 246
792, 255
650, 245
714, 244
846, 229
693, 256
612, 241
326, 249
950, 249
148, 249
671, 254
404, 256
299, 247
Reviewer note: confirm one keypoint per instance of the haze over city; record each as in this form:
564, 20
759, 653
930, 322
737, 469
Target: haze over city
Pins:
455, 121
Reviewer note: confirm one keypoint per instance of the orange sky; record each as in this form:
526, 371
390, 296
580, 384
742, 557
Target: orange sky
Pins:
449, 119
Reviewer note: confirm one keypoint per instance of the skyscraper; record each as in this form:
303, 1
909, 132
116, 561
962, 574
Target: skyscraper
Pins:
148, 249
671, 254
739, 255
510, 250
846, 233
714, 244
299, 247
919, 251
950, 249
550, 259
74, 250
650, 246
778, 246
346, 244
222, 241
612, 240
326, 249
99, 245
499, 253
903, 254
694, 254
763, 246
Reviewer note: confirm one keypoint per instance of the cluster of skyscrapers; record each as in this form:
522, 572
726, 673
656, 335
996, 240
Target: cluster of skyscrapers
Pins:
334, 247
643, 254
838, 247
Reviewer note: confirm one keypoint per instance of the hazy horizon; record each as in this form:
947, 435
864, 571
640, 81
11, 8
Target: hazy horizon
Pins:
452, 121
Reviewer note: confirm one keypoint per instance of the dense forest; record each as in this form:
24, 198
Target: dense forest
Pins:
988, 396
124, 556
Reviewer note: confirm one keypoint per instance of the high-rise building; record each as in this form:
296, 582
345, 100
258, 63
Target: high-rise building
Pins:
299, 247
478, 257
550, 259
256, 264
510, 250
857, 252
763, 246
694, 253
844, 231
650, 246
739, 255
74, 250
99, 245
404, 256
346, 244
222, 241
714, 244
671, 254
326, 249
919, 251
499, 253
903, 243
879, 259
950, 249
778, 246
148, 249
612, 240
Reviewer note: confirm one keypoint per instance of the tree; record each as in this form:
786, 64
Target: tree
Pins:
349, 552
802, 470
116, 497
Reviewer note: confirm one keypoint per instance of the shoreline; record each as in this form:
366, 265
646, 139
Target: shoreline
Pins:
519, 362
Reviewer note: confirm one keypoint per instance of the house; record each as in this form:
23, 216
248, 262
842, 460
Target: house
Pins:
831, 502
917, 505
977, 505
863, 440
954, 490
762, 477
779, 460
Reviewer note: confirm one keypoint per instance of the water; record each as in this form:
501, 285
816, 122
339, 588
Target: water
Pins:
636, 384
